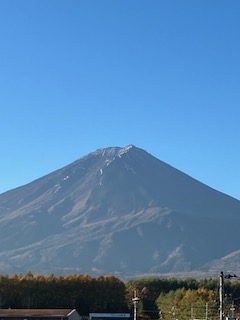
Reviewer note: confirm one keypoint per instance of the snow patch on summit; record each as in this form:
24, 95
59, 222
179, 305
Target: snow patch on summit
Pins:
57, 188
124, 150
109, 161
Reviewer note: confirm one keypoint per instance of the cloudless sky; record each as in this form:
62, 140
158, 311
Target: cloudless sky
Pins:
79, 75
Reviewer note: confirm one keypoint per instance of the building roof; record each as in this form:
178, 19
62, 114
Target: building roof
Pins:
36, 312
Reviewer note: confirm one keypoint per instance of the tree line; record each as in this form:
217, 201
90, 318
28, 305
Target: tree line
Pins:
82, 292
165, 299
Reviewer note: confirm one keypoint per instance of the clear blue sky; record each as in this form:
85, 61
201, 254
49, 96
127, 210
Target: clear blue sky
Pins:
78, 75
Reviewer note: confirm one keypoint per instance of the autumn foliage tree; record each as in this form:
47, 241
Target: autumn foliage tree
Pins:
187, 304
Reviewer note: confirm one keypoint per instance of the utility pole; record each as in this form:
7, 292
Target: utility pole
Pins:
191, 311
221, 296
135, 301
174, 313
232, 309
222, 293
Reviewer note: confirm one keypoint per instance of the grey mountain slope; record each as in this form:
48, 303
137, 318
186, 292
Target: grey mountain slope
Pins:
116, 210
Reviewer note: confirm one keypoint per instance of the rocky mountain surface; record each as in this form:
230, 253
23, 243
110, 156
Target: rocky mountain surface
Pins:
119, 211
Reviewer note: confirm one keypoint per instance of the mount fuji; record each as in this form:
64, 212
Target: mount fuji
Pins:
119, 211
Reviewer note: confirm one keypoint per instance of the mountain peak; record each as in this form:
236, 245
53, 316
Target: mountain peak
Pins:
110, 153
96, 212
114, 150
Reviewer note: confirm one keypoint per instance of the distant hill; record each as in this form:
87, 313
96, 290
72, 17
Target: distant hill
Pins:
119, 211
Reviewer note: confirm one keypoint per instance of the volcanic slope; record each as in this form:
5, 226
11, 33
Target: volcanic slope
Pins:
119, 211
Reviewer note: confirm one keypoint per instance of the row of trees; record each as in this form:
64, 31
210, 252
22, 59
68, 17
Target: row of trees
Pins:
82, 292
168, 299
